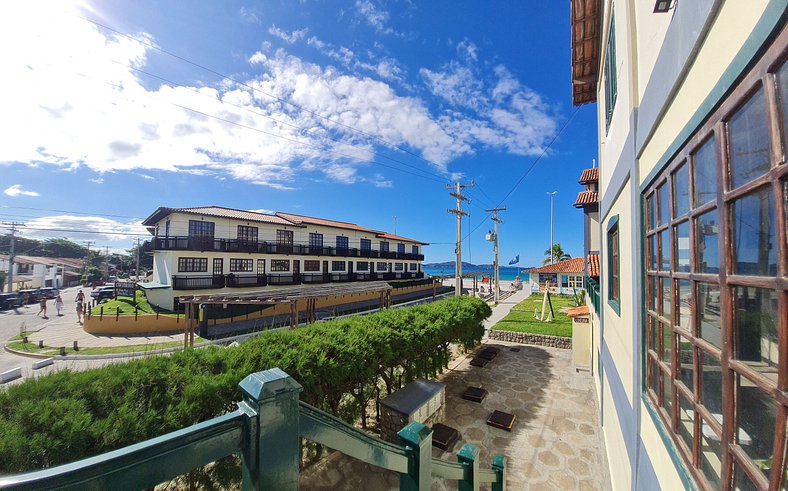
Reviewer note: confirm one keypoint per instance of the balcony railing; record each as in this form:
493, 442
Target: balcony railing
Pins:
593, 293
264, 433
232, 280
194, 243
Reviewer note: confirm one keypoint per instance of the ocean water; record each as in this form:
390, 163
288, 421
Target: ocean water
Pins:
507, 273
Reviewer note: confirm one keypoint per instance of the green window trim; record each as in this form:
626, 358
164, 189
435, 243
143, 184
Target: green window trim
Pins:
611, 81
614, 266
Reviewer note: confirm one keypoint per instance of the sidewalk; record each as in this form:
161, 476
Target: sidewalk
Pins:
502, 309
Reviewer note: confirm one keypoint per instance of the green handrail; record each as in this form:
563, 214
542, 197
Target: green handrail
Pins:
264, 431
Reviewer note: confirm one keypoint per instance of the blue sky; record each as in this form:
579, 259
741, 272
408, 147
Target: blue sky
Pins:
359, 111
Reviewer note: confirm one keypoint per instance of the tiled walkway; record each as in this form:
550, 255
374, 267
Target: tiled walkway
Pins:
555, 443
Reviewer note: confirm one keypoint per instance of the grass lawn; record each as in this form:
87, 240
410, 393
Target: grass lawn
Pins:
127, 306
521, 318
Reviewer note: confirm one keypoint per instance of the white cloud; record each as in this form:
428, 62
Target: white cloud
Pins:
264, 210
146, 176
16, 190
71, 100
249, 15
381, 182
375, 16
81, 228
288, 37
97, 180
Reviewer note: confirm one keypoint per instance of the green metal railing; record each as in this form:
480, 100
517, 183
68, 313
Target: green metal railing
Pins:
593, 293
264, 431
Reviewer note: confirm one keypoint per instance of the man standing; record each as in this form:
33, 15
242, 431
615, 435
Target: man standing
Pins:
43, 309
80, 306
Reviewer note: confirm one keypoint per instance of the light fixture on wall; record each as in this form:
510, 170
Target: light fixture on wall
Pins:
662, 6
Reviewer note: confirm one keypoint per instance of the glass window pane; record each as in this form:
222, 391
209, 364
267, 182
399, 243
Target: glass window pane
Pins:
755, 328
652, 293
711, 385
685, 303
706, 234
664, 204
686, 363
749, 140
754, 245
653, 338
757, 414
683, 252
686, 422
681, 191
654, 376
664, 250
667, 344
704, 173
782, 87
741, 481
667, 394
667, 297
710, 456
652, 253
709, 323
651, 211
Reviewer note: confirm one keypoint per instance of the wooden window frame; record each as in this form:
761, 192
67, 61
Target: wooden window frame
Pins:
338, 266
192, 264
241, 265
311, 266
761, 76
613, 265
247, 234
280, 265
284, 237
365, 244
343, 239
611, 81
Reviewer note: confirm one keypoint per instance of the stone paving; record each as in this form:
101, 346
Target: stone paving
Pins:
556, 441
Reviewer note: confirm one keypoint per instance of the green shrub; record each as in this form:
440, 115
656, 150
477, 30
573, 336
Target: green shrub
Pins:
341, 364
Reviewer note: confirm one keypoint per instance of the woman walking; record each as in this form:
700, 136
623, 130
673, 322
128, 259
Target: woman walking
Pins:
59, 305
80, 305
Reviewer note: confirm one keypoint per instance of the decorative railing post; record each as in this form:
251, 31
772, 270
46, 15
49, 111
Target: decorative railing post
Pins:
272, 453
468, 456
499, 467
417, 440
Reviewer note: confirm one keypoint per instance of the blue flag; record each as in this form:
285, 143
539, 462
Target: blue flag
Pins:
515, 260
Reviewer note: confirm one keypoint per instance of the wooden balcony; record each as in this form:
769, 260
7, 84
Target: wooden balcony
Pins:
193, 243
232, 280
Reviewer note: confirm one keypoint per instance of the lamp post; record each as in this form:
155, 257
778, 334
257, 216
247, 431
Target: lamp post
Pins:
552, 197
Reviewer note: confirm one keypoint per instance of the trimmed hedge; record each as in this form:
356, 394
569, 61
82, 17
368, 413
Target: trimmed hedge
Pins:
341, 364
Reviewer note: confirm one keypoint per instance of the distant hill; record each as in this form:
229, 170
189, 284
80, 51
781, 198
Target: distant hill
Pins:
465, 266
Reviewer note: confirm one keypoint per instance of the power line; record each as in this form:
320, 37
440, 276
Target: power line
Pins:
258, 130
97, 232
67, 211
530, 168
255, 89
261, 114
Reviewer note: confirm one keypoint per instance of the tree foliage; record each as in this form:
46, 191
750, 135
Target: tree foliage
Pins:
558, 254
341, 364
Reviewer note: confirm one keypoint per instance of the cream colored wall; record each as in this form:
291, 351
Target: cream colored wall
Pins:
617, 460
658, 452
650, 34
619, 331
613, 139
594, 244
734, 23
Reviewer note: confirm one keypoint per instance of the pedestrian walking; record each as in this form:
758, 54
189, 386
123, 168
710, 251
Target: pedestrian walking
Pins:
80, 305
59, 305
43, 309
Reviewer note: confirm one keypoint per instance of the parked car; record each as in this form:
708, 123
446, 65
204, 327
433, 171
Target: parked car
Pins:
103, 293
11, 301
33, 295
49, 292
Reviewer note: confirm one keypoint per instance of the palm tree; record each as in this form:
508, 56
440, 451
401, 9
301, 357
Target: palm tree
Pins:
558, 254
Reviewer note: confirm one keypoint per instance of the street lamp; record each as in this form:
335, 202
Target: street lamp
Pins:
552, 197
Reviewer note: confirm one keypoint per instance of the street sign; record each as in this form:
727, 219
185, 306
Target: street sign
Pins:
125, 289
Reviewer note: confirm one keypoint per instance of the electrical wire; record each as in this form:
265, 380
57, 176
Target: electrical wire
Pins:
382, 140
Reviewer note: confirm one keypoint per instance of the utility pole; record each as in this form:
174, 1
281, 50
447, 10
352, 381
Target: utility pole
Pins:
395, 224
87, 259
457, 188
106, 261
11, 255
496, 220
137, 271
552, 255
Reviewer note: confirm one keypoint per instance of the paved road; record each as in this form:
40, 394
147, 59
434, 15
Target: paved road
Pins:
12, 322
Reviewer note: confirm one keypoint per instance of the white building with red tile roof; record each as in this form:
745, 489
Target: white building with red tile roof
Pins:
210, 249
564, 277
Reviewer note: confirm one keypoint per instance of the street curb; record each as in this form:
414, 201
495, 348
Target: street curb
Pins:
25, 353
130, 354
